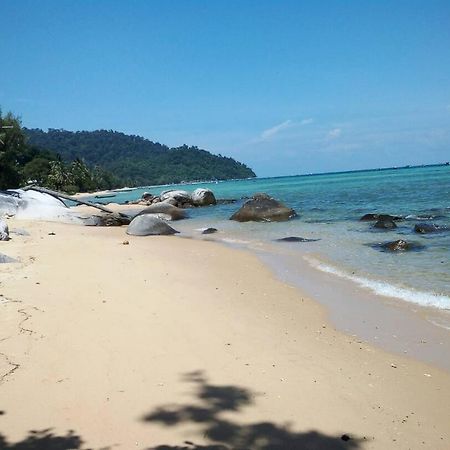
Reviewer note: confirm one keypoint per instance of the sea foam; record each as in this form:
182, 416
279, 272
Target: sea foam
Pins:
383, 288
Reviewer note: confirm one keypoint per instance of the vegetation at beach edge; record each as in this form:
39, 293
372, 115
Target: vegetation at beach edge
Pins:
88, 161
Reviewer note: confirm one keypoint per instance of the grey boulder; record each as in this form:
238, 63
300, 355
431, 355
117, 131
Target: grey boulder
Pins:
178, 195
263, 208
203, 197
4, 231
149, 225
169, 211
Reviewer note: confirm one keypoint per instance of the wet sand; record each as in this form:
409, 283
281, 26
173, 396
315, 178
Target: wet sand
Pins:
169, 341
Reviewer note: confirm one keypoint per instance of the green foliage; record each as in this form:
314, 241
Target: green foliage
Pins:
21, 163
137, 161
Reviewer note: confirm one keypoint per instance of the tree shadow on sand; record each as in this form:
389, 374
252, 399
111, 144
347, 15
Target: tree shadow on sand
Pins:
44, 440
224, 434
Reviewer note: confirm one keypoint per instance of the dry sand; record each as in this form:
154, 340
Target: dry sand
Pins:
169, 341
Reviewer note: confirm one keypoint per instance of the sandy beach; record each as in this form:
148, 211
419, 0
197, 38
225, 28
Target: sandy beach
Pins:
167, 342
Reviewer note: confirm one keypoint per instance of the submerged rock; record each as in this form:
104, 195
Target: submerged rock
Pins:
203, 197
296, 239
148, 225
4, 231
209, 231
424, 228
171, 211
263, 208
385, 224
372, 217
397, 245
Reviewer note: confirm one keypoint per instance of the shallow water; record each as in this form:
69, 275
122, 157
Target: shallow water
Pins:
329, 207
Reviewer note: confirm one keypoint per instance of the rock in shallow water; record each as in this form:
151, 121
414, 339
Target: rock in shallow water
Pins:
296, 239
424, 228
263, 208
209, 231
148, 225
203, 197
385, 224
372, 217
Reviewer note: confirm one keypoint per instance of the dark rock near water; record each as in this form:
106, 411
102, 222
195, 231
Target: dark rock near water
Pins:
425, 228
399, 245
385, 224
263, 208
372, 217
167, 209
148, 225
296, 239
209, 231
107, 220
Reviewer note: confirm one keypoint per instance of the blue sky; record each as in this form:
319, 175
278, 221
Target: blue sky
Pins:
285, 86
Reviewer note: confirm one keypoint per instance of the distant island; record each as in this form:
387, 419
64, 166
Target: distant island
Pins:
134, 160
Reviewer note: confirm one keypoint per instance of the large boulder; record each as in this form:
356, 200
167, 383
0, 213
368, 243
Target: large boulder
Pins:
170, 211
263, 208
4, 231
203, 197
178, 195
148, 225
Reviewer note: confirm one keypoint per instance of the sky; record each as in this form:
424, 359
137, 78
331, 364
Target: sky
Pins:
287, 87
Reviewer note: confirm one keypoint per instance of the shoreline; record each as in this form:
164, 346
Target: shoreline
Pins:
104, 353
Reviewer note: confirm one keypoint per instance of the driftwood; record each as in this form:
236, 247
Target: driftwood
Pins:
59, 196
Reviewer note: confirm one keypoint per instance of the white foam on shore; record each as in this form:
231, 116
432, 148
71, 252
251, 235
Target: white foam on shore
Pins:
385, 289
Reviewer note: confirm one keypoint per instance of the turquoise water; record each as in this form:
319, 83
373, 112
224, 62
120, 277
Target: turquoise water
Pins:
329, 208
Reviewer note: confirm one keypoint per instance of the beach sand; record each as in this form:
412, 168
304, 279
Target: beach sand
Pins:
166, 341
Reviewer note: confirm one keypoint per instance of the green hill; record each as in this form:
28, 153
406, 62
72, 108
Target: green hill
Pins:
135, 160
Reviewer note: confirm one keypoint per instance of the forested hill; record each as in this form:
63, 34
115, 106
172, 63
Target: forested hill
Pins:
136, 160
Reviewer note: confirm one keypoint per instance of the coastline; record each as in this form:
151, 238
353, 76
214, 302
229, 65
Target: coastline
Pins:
103, 339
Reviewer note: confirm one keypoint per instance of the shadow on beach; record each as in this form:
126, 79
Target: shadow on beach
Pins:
205, 413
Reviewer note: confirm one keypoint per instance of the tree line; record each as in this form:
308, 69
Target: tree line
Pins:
22, 163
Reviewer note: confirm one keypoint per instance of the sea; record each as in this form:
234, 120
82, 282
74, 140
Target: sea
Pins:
347, 252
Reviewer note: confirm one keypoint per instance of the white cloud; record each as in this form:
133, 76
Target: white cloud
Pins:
277, 129
271, 132
334, 133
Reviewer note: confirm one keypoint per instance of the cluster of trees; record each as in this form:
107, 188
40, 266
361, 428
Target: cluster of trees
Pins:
137, 161
22, 163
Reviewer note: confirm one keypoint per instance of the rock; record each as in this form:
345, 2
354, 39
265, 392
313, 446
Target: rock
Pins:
172, 212
425, 228
177, 195
385, 223
225, 201
203, 197
296, 239
148, 225
209, 231
4, 231
371, 217
5, 259
397, 245
147, 196
263, 208
107, 220
171, 201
